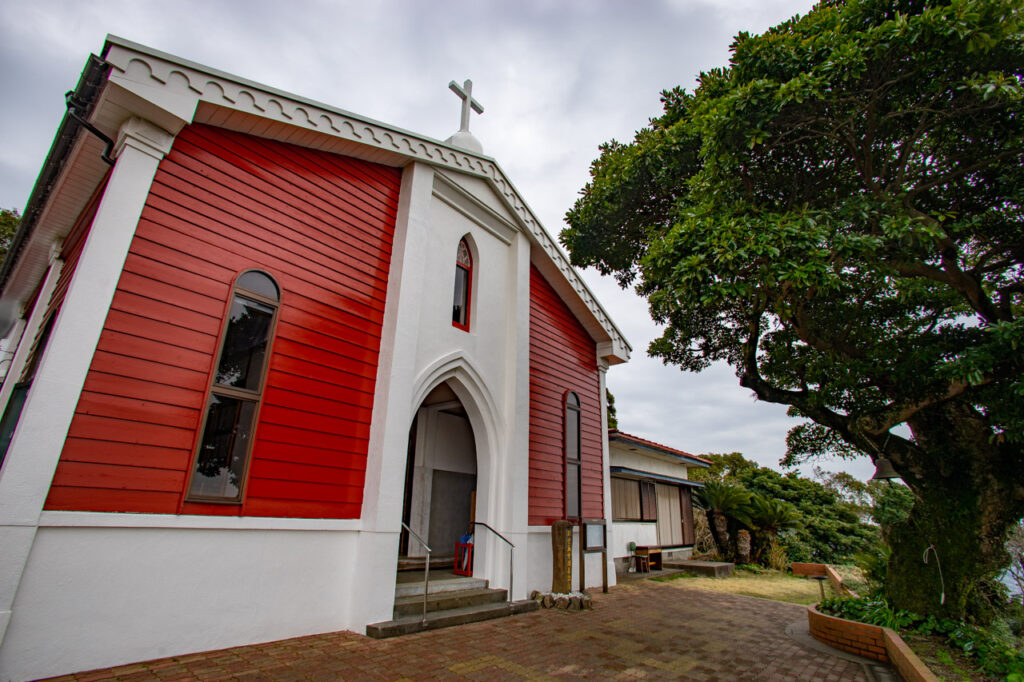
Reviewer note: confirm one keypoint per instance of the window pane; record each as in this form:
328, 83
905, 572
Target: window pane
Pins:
572, 434
572, 490
259, 283
459, 303
245, 344
221, 460
463, 257
648, 502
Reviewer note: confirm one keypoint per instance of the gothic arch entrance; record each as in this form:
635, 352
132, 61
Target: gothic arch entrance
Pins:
440, 479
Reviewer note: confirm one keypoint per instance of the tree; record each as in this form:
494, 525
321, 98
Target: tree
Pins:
722, 503
839, 215
9, 220
613, 417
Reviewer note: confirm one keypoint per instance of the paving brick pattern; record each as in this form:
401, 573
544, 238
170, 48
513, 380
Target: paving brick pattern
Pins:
642, 630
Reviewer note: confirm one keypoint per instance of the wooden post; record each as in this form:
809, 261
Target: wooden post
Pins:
604, 570
583, 559
561, 557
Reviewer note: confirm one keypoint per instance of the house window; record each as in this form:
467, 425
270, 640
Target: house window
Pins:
230, 424
572, 456
633, 500
463, 286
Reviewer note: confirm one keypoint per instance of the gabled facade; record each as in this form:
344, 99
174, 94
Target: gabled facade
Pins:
252, 338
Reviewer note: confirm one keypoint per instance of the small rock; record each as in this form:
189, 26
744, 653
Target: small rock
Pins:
534, 594
574, 604
548, 601
588, 603
562, 602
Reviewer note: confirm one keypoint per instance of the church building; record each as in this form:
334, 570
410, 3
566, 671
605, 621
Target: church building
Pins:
262, 352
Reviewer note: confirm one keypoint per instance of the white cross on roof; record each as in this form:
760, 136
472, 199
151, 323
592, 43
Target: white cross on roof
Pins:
465, 93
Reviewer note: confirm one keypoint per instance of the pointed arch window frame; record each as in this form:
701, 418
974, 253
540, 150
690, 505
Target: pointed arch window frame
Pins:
250, 396
462, 296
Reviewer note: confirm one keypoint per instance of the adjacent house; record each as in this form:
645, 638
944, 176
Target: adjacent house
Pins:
255, 337
652, 504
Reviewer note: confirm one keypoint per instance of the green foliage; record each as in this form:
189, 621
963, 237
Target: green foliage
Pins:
994, 649
613, 417
871, 611
820, 525
727, 498
890, 503
9, 220
838, 216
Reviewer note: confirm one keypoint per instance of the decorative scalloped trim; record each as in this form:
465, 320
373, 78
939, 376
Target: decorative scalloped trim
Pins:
276, 106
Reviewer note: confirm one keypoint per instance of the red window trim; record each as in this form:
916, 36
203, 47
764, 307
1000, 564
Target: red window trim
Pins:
468, 305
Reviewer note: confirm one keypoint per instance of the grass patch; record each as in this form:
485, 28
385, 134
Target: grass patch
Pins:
763, 583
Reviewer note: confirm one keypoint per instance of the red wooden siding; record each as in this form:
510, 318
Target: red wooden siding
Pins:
563, 358
223, 202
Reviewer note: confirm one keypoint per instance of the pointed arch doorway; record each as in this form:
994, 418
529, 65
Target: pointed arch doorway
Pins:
440, 479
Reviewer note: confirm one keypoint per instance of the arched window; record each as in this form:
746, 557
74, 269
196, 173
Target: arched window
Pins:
463, 286
222, 458
572, 456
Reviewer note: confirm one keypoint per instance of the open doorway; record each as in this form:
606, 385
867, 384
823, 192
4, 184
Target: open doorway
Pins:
440, 480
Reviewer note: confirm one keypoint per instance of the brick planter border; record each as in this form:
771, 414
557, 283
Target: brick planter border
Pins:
870, 641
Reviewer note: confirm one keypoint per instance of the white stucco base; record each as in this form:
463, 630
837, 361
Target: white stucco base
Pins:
539, 569
95, 597
625, 532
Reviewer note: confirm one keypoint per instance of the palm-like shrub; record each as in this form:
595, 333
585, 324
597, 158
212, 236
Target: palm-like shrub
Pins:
721, 502
771, 516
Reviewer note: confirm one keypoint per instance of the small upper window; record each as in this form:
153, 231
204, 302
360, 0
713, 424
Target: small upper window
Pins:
463, 286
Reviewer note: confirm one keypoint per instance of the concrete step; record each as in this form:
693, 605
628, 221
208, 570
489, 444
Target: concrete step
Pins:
443, 601
407, 625
713, 569
445, 583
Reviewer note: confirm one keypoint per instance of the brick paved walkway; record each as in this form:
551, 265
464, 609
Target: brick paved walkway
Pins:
643, 630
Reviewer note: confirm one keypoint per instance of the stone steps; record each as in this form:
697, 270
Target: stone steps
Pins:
444, 583
407, 625
444, 601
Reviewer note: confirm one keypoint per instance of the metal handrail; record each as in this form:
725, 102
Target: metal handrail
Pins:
511, 553
426, 573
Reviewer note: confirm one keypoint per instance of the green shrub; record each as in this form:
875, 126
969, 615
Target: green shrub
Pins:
993, 649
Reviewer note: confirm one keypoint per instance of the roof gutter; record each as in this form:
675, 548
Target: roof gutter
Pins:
81, 102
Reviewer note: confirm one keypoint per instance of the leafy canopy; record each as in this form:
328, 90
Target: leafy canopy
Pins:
838, 215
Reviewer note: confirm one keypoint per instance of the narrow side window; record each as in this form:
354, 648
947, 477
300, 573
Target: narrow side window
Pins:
572, 456
222, 458
463, 286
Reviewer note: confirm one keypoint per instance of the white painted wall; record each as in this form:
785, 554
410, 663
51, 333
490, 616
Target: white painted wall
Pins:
102, 596
625, 532
644, 460
539, 571
484, 366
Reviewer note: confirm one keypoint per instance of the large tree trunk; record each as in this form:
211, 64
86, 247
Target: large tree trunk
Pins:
718, 524
743, 547
968, 498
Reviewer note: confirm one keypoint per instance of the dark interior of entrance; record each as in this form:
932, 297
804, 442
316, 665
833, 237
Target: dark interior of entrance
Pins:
440, 480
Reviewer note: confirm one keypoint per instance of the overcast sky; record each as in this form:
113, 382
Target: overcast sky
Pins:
556, 79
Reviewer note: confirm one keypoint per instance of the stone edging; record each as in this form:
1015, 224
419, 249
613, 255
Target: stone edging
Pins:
870, 641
